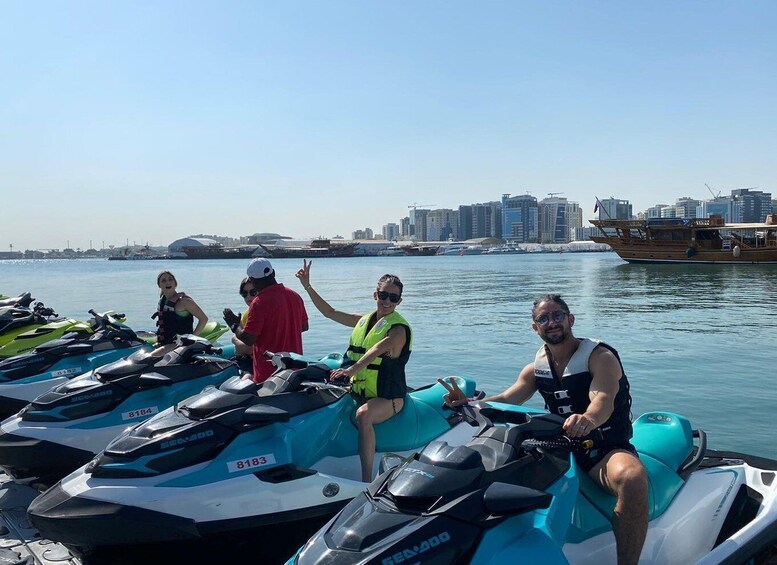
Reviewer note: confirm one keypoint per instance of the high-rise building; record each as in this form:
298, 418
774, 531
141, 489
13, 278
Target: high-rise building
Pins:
685, 207
391, 232
404, 227
656, 211
487, 220
418, 226
520, 218
366, 233
554, 220
441, 224
753, 205
718, 206
575, 215
465, 222
613, 209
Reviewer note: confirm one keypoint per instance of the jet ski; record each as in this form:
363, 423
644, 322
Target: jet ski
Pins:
21, 301
514, 494
15, 320
67, 426
240, 464
25, 377
55, 329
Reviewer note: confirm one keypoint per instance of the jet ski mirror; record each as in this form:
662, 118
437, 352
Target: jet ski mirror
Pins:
190, 339
502, 498
389, 461
153, 380
283, 360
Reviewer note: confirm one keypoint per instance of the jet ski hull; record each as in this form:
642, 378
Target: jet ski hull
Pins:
293, 484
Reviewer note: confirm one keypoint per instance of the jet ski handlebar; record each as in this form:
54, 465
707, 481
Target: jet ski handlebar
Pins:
539, 430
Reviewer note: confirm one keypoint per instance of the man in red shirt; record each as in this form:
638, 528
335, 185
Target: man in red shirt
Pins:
276, 318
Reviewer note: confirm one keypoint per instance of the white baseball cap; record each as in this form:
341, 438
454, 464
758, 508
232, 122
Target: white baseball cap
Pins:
259, 268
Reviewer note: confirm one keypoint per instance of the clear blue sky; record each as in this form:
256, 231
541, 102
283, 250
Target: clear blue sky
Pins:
149, 121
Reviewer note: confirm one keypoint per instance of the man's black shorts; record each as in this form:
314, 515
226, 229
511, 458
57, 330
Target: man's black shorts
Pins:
588, 459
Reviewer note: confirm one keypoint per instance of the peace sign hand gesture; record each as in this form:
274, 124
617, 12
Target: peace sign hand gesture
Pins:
304, 274
455, 396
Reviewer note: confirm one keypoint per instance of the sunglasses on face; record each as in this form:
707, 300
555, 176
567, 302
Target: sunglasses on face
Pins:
252, 292
392, 296
545, 319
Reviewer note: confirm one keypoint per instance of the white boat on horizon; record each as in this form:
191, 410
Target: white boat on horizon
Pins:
460, 248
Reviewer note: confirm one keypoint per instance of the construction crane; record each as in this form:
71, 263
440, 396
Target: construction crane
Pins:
712, 191
552, 194
415, 205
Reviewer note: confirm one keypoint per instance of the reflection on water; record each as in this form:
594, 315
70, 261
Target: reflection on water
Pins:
695, 339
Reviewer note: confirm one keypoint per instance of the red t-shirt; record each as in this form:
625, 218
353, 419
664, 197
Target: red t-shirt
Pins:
276, 316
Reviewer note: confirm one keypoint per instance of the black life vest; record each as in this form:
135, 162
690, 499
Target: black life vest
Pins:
569, 393
168, 323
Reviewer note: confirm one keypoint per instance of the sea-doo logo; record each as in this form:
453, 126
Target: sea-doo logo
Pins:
93, 396
65, 372
184, 440
410, 553
418, 472
30, 361
542, 373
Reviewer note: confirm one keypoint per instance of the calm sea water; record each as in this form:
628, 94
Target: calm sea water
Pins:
700, 340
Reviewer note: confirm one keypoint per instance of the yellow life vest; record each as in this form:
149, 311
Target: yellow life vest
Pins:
384, 377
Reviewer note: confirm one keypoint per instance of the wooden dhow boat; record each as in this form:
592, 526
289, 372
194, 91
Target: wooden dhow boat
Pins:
690, 240
317, 248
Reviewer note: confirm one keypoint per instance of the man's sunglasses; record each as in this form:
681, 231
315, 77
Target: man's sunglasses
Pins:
252, 292
392, 296
545, 319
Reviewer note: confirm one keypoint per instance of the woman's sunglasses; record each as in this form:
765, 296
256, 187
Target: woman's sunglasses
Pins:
392, 296
252, 292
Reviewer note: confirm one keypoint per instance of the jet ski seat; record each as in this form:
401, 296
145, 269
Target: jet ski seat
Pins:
664, 442
419, 420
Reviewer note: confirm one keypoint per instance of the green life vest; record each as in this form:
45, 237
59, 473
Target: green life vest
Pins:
384, 377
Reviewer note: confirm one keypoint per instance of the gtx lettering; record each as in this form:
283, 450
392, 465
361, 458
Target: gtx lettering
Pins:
184, 440
418, 472
416, 550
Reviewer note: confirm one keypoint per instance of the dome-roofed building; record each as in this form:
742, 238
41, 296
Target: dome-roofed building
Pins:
178, 245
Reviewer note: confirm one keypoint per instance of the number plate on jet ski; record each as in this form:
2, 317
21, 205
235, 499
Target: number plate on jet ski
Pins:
250, 463
139, 413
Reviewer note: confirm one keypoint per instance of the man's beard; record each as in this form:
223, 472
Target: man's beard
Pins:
556, 338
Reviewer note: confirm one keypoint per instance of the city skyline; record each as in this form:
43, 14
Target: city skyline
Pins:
149, 122
680, 202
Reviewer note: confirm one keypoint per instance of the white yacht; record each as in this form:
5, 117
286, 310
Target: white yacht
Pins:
460, 248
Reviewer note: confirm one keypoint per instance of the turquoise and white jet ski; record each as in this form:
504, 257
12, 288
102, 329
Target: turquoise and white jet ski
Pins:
27, 376
241, 463
67, 426
514, 494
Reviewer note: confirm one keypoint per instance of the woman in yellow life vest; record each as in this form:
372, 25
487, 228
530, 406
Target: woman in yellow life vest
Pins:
380, 345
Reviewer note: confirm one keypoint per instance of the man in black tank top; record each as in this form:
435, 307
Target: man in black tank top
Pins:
584, 380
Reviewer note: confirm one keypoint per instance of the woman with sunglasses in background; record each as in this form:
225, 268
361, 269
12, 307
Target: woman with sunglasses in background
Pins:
380, 346
244, 352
